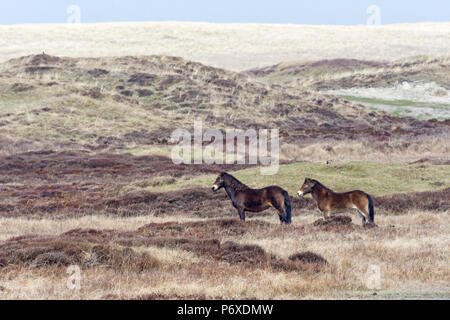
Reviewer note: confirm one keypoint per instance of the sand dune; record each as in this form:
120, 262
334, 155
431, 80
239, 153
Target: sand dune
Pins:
230, 46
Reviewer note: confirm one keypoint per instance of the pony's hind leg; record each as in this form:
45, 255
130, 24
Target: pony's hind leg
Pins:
281, 212
364, 216
281, 215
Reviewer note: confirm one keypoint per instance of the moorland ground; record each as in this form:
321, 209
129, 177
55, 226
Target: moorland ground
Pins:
86, 176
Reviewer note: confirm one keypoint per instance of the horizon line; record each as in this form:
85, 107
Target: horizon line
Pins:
225, 23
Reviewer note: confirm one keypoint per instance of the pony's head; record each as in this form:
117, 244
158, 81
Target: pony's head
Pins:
307, 187
220, 182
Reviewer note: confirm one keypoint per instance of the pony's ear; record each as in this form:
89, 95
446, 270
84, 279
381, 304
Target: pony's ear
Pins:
222, 174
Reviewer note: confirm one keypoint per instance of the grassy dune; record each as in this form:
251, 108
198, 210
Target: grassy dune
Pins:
411, 87
132, 104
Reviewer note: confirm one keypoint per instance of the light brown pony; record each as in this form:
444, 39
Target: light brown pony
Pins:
329, 201
254, 200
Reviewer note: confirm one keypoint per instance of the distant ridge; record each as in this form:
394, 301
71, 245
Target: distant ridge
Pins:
230, 46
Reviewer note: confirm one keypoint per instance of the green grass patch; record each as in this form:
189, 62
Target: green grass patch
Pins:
406, 103
373, 177
400, 103
399, 112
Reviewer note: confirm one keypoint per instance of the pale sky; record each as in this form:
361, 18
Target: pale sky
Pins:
331, 12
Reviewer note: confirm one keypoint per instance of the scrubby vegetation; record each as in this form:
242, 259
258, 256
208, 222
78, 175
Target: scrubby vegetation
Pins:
86, 178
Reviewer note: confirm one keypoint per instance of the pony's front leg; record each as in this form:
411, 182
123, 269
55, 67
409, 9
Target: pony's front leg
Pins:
281, 218
241, 214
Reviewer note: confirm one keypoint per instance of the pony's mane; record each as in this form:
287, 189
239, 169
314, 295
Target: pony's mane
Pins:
321, 184
234, 183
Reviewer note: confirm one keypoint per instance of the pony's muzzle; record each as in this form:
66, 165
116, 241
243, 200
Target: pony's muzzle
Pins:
214, 188
300, 194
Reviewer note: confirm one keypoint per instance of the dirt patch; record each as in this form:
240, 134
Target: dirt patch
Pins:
208, 228
125, 259
199, 202
82, 199
64, 250
126, 93
131, 198
438, 201
94, 93
338, 223
308, 257
111, 248
234, 253
39, 69
97, 72
142, 79
303, 203
249, 256
193, 236
21, 87
306, 262
369, 225
166, 81
144, 92
44, 59
38, 164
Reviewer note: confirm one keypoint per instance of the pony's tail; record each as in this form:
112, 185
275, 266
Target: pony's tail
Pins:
371, 210
287, 207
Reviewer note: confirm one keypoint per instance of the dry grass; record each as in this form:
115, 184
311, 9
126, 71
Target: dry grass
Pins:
354, 73
141, 227
411, 250
405, 149
14, 227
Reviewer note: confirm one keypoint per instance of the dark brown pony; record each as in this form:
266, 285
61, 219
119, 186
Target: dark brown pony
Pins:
254, 200
329, 201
